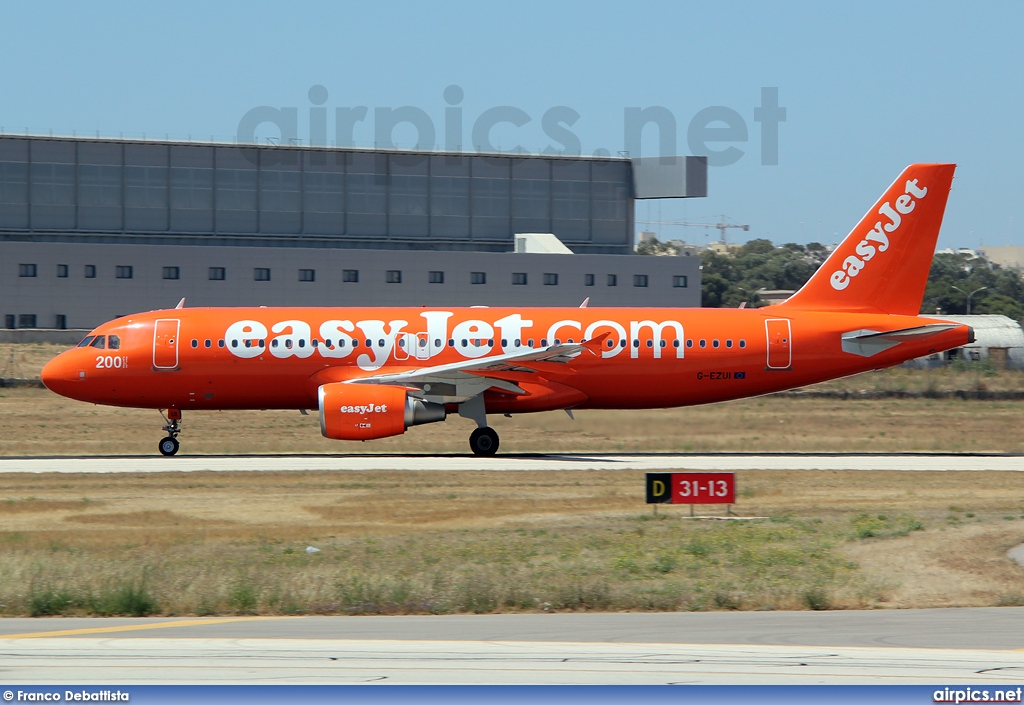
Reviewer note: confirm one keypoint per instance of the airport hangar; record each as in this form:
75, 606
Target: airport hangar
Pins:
92, 229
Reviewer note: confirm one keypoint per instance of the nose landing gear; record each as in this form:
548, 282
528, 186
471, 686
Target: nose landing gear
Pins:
170, 445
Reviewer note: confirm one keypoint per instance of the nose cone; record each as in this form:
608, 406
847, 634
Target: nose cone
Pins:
60, 374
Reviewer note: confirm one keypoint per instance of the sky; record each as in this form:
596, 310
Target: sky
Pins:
867, 88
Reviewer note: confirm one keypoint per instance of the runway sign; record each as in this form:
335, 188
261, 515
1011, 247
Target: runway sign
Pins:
691, 487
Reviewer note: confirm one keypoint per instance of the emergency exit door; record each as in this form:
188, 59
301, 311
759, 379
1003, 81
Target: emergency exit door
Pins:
165, 344
780, 343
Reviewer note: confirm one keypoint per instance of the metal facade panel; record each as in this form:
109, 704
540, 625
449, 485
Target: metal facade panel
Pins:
670, 177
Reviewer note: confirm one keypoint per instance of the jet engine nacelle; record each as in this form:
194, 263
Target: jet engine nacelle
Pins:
360, 412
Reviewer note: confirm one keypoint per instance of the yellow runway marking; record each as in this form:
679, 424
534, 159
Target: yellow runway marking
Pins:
135, 627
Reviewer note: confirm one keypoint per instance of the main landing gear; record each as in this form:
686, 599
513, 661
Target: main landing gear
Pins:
169, 445
484, 441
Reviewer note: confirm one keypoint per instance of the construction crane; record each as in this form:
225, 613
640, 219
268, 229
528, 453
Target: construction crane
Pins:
722, 225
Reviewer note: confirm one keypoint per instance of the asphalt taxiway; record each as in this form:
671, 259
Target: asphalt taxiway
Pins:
953, 646
511, 463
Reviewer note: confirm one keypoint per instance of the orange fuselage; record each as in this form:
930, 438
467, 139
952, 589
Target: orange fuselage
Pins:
267, 358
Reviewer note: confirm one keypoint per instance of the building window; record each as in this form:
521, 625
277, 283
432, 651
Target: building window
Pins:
613, 280
307, 275
478, 277
218, 274
394, 276
90, 271
550, 280
10, 321
60, 322
350, 275
588, 280
519, 278
436, 278
172, 273
261, 274
123, 271
679, 281
640, 280
26, 270
62, 271
26, 320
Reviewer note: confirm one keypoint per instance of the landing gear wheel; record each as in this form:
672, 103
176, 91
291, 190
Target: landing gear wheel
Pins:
484, 441
169, 446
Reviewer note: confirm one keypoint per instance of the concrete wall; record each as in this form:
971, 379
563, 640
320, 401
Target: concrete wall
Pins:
86, 302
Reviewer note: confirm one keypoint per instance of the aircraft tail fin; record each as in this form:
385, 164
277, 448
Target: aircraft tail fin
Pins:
882, 265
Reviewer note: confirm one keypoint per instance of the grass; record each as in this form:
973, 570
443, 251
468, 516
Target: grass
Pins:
405, 542
38, 422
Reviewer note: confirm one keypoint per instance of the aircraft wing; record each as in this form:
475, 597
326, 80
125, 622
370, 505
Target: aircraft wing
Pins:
458, 381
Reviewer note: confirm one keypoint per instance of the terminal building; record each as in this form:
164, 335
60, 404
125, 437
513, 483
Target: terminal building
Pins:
91, 229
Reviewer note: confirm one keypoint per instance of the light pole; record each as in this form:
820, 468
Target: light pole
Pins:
969, 296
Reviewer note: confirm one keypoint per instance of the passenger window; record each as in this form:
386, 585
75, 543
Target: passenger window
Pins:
728, 343
85, 341
743, 343
220, 343
113, 342
208, 343
100, 342
195, 343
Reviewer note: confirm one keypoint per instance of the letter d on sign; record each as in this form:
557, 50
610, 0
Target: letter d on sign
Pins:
658, 484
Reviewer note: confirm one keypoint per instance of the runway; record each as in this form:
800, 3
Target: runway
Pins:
511, 463
957, 646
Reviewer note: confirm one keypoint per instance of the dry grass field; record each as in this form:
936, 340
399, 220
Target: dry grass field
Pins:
437, 542
38, 422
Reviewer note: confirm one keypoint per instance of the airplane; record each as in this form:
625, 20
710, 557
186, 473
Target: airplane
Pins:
375, 372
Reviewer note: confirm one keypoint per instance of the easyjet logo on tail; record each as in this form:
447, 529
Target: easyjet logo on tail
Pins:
877, 239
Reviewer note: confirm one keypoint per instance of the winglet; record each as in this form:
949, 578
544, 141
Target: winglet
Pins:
594, 345
181, 304
585, 302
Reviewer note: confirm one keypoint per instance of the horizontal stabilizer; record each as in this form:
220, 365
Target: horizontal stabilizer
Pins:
870, 342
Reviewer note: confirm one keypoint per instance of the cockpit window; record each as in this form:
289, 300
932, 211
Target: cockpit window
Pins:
86, 341
113, 342
100, 342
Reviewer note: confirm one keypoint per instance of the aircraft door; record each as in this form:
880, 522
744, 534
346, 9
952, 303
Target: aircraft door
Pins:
780, 343
165, 344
